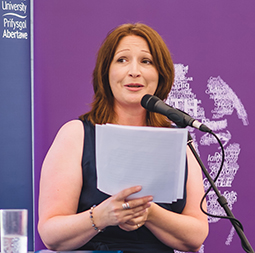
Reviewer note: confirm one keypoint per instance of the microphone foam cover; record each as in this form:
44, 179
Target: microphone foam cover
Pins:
148, 102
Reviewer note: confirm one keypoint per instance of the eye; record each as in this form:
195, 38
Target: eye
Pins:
147, 61
121, 59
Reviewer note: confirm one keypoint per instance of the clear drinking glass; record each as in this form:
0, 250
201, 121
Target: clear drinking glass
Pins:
13, 230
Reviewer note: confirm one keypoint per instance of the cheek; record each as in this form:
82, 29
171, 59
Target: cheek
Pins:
113, 80
154, 77
114, 75
111, 75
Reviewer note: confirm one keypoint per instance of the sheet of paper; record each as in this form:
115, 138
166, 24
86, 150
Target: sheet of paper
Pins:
152, 157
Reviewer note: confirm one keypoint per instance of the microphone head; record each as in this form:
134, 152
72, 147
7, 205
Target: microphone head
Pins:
148, 102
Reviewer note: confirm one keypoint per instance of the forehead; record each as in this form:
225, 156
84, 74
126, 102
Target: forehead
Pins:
132, 41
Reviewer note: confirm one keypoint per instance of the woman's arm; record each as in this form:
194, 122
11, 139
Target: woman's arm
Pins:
188, 230
60, 186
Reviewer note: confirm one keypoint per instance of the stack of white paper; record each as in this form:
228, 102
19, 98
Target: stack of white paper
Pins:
152, 157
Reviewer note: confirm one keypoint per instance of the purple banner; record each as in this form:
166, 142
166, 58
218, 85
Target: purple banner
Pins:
212, 45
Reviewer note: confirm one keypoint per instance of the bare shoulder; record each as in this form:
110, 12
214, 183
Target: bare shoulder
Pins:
65, 152
72, 128
72, 131
69, 139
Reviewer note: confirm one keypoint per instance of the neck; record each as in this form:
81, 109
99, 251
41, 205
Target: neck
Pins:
130, 116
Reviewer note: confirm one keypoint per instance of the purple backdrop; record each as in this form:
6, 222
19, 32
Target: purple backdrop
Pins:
212, 38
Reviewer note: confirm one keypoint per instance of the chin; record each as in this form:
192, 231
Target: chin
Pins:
134, 99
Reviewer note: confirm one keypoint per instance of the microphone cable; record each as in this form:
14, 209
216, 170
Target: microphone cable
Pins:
221, 199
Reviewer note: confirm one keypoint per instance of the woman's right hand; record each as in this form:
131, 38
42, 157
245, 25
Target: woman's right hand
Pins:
111, 212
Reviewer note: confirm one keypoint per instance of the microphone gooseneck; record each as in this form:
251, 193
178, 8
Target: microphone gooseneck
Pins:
181, 119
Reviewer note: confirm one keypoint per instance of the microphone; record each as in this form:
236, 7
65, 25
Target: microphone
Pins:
180, 118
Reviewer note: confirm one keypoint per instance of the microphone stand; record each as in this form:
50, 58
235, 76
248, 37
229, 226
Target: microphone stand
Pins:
182, 119
222, 200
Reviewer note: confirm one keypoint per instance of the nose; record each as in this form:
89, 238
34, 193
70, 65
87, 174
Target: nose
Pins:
134, 70
134, 75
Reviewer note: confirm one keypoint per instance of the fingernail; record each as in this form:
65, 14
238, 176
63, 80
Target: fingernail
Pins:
139, 188
150, 198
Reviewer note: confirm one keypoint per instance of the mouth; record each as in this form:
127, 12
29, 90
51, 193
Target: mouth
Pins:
134, 85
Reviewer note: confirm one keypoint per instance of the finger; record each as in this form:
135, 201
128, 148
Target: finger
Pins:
135, 223
140, 213
128, 227
132, 215
138, 204
137, 211
121, 196
141, 219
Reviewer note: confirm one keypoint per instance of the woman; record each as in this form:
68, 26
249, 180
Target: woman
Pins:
133, 61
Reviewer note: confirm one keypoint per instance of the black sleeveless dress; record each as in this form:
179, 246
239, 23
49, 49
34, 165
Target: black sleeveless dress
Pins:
113, 238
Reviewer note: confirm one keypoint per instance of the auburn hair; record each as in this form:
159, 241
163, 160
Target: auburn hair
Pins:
102, 110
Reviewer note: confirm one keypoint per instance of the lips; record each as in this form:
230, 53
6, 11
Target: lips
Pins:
134, 85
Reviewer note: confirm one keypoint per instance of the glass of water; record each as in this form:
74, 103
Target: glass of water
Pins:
13, 230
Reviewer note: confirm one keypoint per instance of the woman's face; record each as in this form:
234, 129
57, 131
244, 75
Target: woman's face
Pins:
132, 73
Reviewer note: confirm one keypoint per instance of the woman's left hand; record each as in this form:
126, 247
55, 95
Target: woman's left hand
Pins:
135, 222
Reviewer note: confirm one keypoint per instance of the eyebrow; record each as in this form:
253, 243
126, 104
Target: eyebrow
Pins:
145, 51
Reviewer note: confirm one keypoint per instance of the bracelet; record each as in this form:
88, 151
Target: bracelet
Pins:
92, 220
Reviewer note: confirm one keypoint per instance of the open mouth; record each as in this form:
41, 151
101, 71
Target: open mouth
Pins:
134, 85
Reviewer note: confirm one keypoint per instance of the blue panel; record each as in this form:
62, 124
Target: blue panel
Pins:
16, 187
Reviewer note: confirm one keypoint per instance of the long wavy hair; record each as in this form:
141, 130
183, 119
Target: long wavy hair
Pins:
102, 109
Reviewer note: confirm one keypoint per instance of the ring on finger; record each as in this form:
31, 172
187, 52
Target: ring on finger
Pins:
125, 205
138, 225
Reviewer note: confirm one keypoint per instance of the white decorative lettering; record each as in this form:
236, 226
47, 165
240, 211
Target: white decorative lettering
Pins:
14, 35
14, 7
225, 102
14, 20
10, 23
